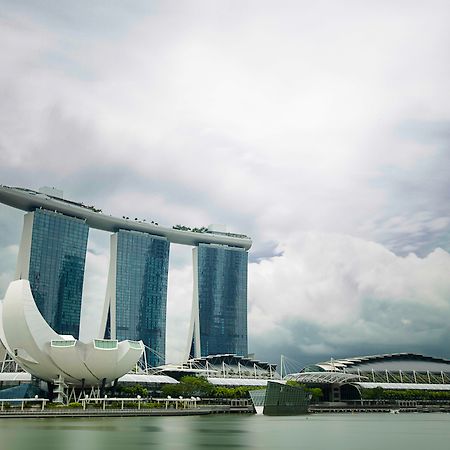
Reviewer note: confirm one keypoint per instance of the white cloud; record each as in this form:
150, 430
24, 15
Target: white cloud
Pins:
351, 292
179, 304
94, 292
256, 111
8, 257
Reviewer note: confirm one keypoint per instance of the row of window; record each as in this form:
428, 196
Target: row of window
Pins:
56, 271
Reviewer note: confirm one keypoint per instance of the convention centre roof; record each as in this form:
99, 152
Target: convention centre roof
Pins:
225, 369
392, 362
322, 377
232, 360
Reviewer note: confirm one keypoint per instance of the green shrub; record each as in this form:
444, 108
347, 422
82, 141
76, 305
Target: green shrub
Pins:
189, 386
132, 391
74, 405
379, 393
151, 405
130, 404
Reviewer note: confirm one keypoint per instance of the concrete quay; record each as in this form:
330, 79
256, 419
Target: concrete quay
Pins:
94, 412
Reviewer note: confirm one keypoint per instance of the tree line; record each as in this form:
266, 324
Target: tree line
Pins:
191, 386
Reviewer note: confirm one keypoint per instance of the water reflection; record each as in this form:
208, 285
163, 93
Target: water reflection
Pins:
349, 432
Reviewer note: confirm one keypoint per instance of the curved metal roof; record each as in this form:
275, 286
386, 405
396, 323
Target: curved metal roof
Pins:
408, 386
237, 381
144, 378
230, 359
390, 362
29, 200
322, 377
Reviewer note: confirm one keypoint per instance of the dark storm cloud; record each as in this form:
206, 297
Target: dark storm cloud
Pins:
309, 343
331, 295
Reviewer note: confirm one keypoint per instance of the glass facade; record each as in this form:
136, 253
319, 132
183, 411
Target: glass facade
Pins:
56, 272
281, 399
106, 344
222, 299
55, 343
141, 291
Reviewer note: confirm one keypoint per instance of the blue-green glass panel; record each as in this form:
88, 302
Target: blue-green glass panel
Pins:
141, 291
56, 274
222, 294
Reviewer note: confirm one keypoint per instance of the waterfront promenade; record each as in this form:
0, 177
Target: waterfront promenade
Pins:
116, 407
127, 412
38, 412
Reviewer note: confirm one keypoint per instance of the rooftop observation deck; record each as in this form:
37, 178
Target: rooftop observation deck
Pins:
29, 200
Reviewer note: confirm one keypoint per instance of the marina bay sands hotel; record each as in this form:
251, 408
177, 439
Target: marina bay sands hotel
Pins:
52, 257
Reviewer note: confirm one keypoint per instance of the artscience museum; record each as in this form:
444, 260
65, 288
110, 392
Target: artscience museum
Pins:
55, 358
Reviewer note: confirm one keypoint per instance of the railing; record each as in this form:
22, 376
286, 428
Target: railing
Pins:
177, 403
22, 402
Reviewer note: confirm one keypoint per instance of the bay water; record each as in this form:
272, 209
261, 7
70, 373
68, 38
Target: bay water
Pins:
313, 432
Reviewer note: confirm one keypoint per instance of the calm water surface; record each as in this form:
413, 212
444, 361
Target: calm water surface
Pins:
330, 432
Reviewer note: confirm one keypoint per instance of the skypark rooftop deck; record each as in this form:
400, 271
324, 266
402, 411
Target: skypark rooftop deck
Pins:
29, 200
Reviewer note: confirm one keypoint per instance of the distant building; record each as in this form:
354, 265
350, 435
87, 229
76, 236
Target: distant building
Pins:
344, 378
224, 370
52, 257
279, 399
137, 291
219, 313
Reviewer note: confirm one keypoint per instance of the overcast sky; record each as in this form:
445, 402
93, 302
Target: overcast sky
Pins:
321, 129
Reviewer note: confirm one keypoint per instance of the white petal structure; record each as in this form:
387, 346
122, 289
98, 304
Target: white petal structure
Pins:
48, 355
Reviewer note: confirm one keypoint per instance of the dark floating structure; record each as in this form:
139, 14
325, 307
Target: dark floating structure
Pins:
280, 399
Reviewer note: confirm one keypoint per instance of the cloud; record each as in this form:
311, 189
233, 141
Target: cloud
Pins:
328, 294
7, 255
231, 114
94, 292
321, 130
179, 304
